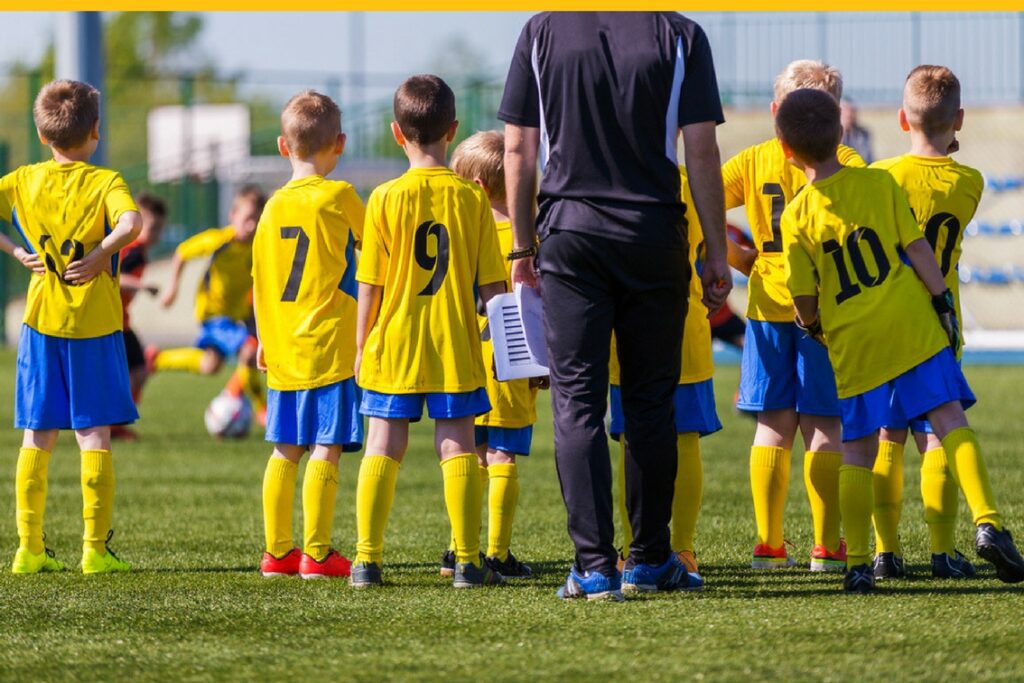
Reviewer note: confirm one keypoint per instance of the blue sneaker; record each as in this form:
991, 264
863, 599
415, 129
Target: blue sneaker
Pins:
956, 566
859, 579
592, 586
671, 575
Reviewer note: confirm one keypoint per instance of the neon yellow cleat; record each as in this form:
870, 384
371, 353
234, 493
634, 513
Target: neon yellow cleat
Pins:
94, 562
28, 562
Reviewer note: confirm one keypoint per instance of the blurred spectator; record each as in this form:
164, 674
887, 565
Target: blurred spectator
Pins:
854, 135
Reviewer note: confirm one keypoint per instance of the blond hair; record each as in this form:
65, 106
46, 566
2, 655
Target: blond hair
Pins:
65, 113
310, 122
808, 73
482, 155
931, 98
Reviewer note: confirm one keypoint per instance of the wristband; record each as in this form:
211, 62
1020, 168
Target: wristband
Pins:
943, 303
526, 252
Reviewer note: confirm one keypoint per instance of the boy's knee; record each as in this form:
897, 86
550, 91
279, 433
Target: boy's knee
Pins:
210, 362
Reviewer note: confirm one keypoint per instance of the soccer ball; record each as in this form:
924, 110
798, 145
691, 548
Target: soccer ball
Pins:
228, 416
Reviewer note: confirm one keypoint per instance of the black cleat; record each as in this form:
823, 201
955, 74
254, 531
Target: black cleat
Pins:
889, 566
859, 579
997, 547
448, 564
511, 568
365, 575
956, 566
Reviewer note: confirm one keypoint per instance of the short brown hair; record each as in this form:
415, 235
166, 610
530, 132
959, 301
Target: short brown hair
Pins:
482, 155
808, 73
150, 202
65, 112
424, 108
931, 98
808, 122
251, 193
310, 122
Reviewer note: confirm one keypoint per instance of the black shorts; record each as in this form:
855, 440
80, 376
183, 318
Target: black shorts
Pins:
133, 349
729, 330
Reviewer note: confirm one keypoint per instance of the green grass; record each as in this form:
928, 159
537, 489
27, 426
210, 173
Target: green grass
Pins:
188, 517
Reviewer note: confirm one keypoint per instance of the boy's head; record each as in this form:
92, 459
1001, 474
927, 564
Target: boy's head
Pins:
310, 123
154, 215
67, 114
425, 110
931, 101
807, 73
481, 158
245, 211
807, 123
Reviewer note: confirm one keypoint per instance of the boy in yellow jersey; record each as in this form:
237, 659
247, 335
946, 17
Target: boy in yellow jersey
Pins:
428, 240
305, 296
506, 431
785, 377
694, 409
72, 368
223, 301
943, 196
849, 237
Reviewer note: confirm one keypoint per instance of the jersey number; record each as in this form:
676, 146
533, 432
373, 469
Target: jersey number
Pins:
774, 190
72, 248
931, 233
291, 289
847, 287
437, 263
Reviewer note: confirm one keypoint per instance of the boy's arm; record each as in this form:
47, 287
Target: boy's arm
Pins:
27, 259
488, 292
133, 283
171, 293
922, 259
741, 258
366, 316
128, 227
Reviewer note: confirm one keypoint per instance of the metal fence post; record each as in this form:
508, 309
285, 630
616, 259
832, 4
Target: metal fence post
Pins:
34, 151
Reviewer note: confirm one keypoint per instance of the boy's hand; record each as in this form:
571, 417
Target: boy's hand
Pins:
261, 361
30, 261
359, 361
945, 308
813, 330
543, 383
953, 147
88, 267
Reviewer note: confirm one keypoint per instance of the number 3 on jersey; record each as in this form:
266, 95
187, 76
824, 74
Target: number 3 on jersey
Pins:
438, 263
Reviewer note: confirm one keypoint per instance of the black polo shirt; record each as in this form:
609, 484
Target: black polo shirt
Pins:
609, 91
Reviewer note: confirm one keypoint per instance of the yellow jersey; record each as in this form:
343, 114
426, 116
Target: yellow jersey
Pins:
226, 287
513, 403
845, 241
697, 361
943, 196
428, 240
62, 212
304, 285
760, 179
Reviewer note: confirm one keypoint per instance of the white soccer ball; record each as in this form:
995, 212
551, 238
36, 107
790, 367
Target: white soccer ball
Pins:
228, 416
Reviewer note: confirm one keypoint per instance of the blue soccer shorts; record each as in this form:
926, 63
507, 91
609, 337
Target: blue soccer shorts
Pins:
223, 334
516, 441
326, 416
694, 409
440, 405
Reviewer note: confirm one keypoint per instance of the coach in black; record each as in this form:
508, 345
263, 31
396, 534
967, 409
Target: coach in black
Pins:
600, 98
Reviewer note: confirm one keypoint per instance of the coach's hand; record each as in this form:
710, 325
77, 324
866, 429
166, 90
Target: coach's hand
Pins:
29, 260
523, 270
717, 280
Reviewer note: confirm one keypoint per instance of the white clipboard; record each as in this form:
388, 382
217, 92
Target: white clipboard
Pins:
516, 322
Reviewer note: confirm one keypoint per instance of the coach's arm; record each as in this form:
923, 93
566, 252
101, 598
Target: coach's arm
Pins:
521, 145
704, 170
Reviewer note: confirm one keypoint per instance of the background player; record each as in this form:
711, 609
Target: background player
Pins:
786, 377
943, 196
72, 370
846, 235
303, 268
429, 239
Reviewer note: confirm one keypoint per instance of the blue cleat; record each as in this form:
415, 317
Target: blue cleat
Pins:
859, 579
592, 586
671, 575
956, 566
889, 566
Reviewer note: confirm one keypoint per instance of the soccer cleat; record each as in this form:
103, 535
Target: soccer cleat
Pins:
689, 560
592, 586
956, 567
997, 547
889, 566
468, 575
28, 562
95, 562
150, 355
824, 561
766, 557
286, 565
511, 568
859, 579
447, 564
365, 575
333, 566
670, 575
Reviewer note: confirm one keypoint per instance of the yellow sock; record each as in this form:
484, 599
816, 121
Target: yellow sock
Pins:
278, 502
688, 491
769, 484
462, 498
97, 498
30, 496
888, 486
375, 492
856, 501
939, 495
627, 528
319, 490
968, 467
483, 490
502, 499
185, 359
821, 479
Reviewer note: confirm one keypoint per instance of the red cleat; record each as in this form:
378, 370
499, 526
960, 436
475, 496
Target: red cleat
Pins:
286, 565
334, 566
150, 355
824, 561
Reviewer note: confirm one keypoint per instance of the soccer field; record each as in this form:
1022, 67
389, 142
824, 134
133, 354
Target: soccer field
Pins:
188, 517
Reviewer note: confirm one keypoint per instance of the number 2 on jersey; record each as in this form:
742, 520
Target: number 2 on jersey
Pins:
438, 263
291, 289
